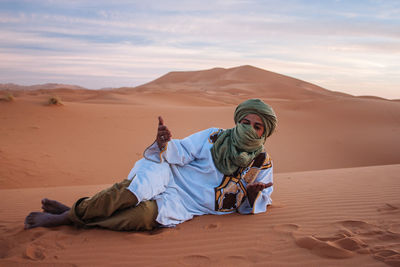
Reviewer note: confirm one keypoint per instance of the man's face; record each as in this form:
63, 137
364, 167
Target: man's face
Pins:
256, 122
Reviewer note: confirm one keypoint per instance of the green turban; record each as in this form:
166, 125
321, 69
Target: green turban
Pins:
237, 147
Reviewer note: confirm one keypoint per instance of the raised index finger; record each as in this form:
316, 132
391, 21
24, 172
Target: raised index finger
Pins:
268, 185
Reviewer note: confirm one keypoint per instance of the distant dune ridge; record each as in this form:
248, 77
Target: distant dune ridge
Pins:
237, 81
336, 159
47, 86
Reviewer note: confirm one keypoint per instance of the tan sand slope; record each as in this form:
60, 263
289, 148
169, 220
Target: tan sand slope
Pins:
97, 135
342, 217
326, 210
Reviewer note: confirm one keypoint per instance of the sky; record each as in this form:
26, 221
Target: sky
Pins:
351, 46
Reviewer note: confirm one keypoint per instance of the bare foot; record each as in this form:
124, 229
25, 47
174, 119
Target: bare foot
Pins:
44, 219
53, 207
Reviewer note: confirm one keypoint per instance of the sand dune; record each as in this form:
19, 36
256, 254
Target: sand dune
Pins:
318, 218
336, 157
239, 81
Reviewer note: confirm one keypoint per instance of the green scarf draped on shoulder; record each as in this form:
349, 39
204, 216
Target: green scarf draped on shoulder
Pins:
238, 146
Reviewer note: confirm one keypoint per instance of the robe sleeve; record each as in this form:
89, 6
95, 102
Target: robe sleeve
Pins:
264, 197
180, 151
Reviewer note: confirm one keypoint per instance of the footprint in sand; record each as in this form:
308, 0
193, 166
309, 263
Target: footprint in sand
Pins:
360, 228
352, 244
355, 237
286, 228
375, 235
394, 227
389, 208
324, 248
34, 252
156, 234
237, 260
37, 234
196, 260
4, 248
212, 226
389, 257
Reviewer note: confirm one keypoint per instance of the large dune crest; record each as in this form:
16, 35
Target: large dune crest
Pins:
238, 81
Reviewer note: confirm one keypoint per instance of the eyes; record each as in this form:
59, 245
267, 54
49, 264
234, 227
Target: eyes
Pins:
256, 126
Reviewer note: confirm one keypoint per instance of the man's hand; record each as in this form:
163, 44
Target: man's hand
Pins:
253, 189
163, 134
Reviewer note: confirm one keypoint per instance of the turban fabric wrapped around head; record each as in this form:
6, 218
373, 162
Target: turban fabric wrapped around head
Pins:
264, 111
238, 146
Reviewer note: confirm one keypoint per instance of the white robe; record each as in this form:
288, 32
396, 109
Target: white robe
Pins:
184, 181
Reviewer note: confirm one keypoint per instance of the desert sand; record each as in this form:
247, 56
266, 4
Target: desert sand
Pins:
336, 159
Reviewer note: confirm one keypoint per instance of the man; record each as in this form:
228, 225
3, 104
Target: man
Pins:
214, 171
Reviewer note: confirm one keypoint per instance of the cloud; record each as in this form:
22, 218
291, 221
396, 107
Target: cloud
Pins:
136, 41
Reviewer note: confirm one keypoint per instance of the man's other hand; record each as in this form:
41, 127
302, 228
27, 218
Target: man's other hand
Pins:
253, 189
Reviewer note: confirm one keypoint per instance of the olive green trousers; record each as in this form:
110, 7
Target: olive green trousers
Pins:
115, 208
